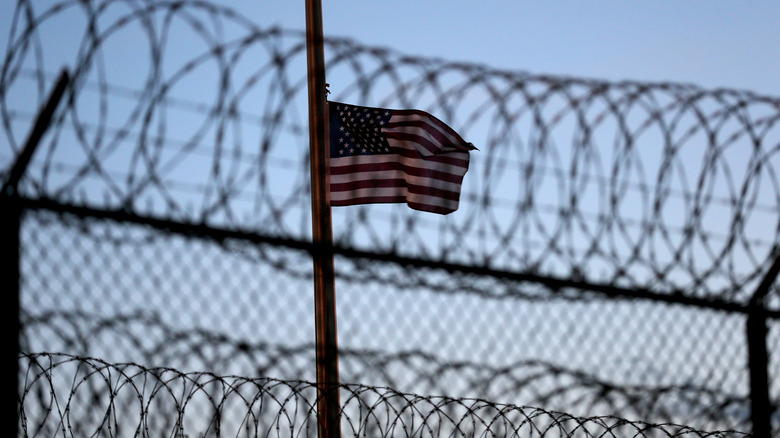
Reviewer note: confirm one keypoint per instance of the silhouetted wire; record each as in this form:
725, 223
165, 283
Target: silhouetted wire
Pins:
653, 185
233, 406
659, 187
542, 383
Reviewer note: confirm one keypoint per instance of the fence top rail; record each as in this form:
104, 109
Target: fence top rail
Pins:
554, 288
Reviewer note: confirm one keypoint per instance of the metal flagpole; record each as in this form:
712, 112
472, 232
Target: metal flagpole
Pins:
328, 405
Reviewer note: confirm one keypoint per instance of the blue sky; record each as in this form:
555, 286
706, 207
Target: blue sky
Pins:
712, 44
709, 43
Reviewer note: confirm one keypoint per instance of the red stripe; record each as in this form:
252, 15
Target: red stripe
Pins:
441, 141
414, 139
433, 120
369, 200
394, 200
395, 183
409, 170
444, 158
431, 208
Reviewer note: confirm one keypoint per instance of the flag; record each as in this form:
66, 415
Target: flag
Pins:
381, 155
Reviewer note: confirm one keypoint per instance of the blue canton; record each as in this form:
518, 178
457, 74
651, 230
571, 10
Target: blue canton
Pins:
356, 130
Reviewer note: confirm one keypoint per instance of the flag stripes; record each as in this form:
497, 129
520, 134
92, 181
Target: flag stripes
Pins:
395, 156
420, 128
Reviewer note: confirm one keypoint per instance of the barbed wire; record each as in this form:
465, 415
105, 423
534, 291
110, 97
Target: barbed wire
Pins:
652, 188
662, 186
135, 293
535, 382
70, 395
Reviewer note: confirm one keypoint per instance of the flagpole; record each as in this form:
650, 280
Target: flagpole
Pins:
328, 405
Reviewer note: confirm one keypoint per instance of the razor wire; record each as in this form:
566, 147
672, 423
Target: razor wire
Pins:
537, 382
128, 293
200, 124
132, 400
661, 186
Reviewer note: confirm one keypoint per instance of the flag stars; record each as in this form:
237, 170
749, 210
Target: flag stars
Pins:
358, 130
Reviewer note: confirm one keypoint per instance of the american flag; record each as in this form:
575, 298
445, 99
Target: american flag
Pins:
394, 156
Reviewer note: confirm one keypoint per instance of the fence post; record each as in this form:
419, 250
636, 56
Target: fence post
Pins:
758, 356
10, 229
10, 221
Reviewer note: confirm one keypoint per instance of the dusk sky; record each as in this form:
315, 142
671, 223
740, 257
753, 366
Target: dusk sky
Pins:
705, 43
190, 148
709, 43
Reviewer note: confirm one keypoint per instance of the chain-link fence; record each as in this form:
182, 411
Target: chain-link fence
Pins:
612, 248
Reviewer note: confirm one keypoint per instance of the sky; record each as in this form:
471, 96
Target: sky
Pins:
709, 43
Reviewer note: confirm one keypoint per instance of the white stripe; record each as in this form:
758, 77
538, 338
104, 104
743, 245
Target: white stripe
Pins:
413, 130
404, 144
394, 191
395, 174
400, 118
411, 162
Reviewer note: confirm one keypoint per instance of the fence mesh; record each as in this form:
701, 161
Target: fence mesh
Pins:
609, 239
128, 294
